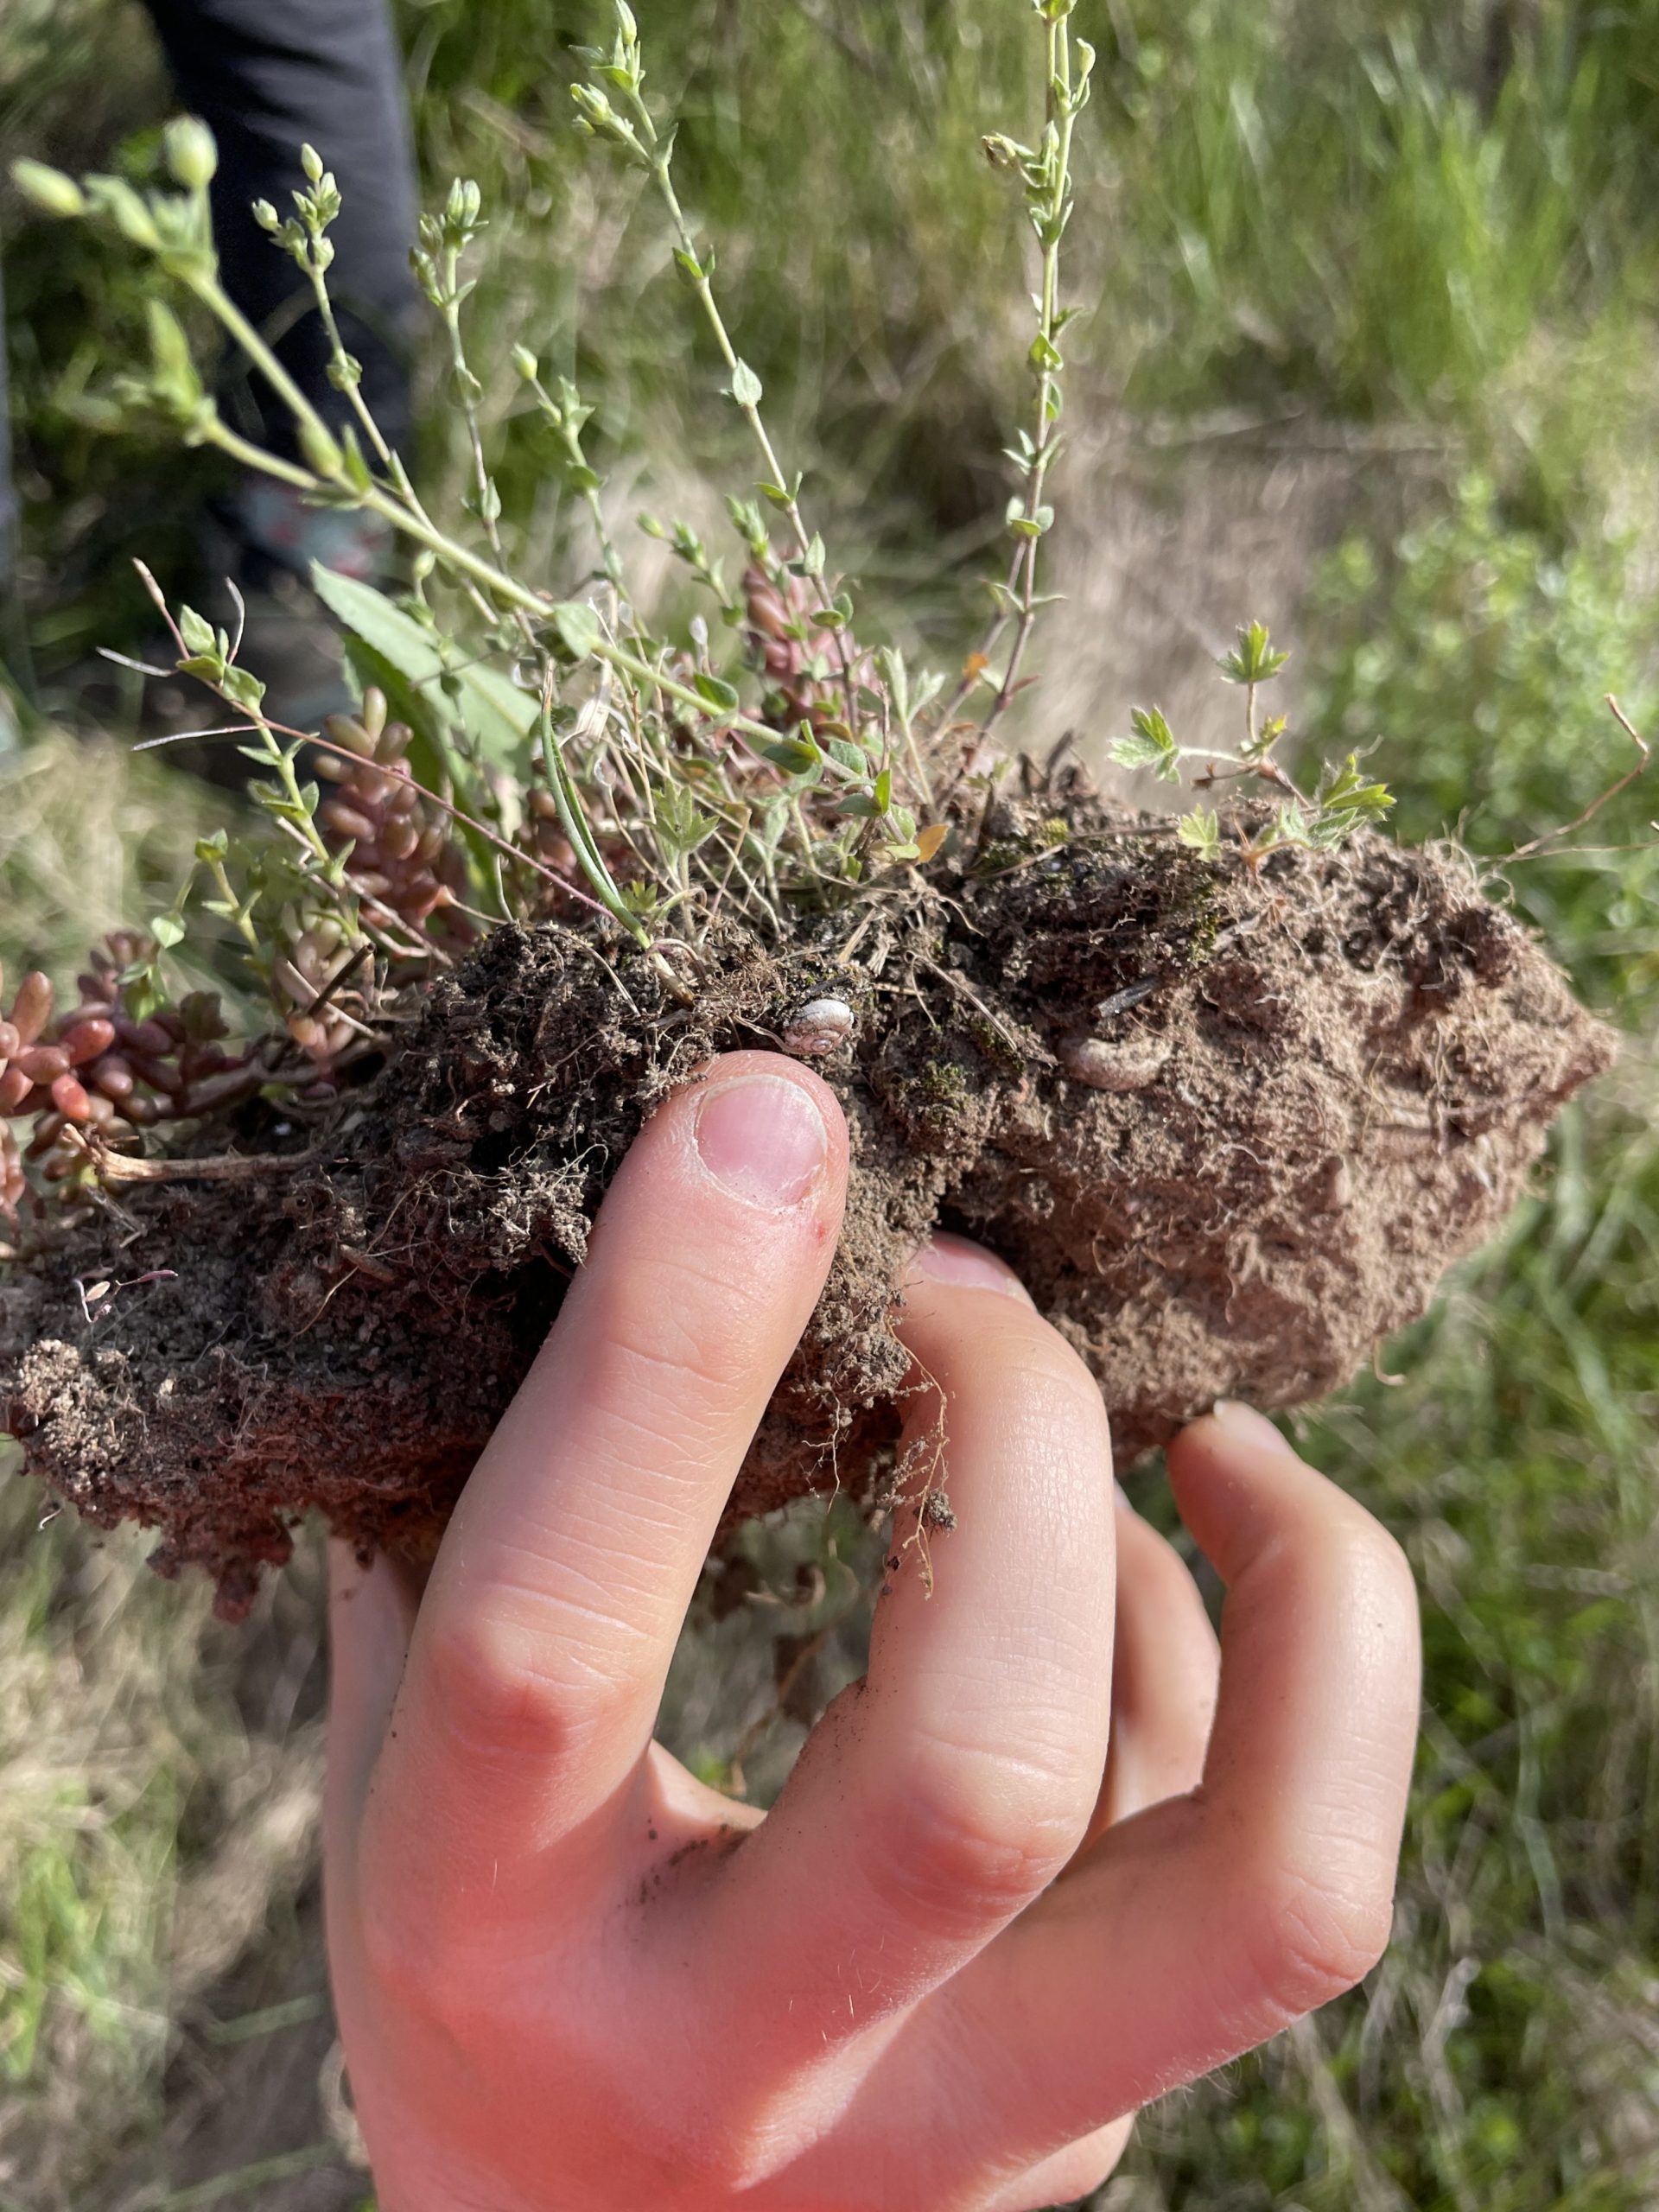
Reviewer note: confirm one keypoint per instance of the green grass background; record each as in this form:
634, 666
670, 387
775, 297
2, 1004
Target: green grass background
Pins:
1414, 229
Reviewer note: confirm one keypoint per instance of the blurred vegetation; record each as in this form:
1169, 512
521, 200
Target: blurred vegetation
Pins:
1409, 218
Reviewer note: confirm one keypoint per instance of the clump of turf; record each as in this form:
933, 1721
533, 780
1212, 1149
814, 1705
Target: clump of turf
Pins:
1230, 1121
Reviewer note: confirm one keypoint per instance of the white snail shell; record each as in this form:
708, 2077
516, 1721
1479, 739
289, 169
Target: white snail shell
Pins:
818, 1027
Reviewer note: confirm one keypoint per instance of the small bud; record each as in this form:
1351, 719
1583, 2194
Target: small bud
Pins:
192, 156
266, 216
526, 363
48, 189
461, 209
311, 162
321, 449
591, 105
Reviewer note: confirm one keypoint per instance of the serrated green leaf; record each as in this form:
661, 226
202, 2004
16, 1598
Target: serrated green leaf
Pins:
1201, 831
1253, 659
1150, 744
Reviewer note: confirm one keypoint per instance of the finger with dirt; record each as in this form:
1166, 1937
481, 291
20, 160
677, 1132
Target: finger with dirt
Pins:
1203, 1925
538, 1658
941, 1794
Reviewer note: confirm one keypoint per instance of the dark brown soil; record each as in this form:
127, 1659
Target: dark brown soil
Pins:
1230, 1127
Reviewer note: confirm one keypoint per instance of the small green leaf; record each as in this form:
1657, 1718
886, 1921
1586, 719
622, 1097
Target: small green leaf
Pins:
746, 385
496, 715
1150, 744
176, 382
200, 638
1252, 659
1290, 826
719, 694
167, 930
793, 753
321, 448
1201, 831
1345, 803
242, 688
575, 625
357, 468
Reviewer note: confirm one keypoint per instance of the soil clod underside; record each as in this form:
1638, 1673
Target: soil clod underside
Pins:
1229, 1126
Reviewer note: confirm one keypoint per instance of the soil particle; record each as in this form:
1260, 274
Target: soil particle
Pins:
1230, 1128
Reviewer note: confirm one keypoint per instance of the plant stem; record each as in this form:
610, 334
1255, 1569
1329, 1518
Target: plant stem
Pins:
349, 385
207, 289
217, 432
661, 170
1060, 116
571, 441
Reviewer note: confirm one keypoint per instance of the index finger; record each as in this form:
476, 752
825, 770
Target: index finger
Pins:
537, 1661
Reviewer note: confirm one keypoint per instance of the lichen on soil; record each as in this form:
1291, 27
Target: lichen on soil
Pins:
1230, 1125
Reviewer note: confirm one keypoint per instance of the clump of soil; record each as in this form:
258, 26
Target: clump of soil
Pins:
1229, 1126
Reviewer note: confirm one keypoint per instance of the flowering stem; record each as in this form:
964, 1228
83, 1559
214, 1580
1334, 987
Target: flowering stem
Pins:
689, 260
1048, 195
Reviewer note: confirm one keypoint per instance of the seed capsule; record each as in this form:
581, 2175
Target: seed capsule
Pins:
818, 1027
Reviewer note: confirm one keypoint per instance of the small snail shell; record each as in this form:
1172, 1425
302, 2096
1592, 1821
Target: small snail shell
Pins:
1131, 1063
818, 1029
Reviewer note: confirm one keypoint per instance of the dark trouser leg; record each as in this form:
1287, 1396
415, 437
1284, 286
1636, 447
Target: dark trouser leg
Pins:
268, 76
7, 497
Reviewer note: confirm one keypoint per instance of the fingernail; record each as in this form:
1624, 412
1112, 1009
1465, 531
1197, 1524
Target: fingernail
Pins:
950, 1259
1248, 1427
762, 1139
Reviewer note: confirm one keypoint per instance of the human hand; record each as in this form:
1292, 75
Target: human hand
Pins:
964, 1945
